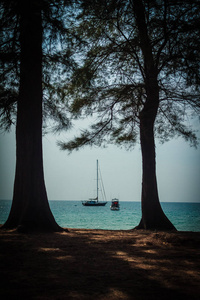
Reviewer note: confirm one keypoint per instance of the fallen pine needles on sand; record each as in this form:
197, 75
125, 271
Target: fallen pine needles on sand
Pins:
100, 264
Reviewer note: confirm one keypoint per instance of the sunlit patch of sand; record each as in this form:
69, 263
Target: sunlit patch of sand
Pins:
116, 294
135, 262
48, 249
65, 257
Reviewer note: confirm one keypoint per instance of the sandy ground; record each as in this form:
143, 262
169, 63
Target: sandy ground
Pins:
100, 264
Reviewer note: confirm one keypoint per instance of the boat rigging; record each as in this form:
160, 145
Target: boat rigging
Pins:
95, 201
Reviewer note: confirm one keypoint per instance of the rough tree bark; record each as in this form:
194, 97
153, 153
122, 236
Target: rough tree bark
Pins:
153, 216
30, 209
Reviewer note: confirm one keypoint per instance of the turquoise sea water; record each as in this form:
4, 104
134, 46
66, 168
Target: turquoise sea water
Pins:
72, 214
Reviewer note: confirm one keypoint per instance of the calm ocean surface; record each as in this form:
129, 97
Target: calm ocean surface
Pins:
72, 214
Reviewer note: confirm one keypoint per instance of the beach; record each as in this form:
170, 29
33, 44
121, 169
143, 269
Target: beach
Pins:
100, 264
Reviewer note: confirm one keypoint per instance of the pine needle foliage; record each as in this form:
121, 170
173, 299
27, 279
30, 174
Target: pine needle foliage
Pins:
110, 79
58, 64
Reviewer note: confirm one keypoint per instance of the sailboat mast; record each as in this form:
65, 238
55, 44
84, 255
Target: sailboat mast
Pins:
97, 182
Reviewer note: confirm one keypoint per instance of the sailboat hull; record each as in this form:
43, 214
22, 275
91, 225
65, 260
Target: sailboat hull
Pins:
92, 203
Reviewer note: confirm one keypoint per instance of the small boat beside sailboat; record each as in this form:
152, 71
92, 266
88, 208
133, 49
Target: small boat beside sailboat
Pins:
115, 204
95, 201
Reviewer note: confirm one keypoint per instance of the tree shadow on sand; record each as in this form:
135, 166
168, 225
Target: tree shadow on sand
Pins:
96, 264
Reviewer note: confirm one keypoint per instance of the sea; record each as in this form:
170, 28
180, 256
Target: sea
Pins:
72, 214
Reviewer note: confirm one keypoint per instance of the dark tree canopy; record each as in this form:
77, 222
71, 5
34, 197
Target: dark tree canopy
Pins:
110, 80
56, 62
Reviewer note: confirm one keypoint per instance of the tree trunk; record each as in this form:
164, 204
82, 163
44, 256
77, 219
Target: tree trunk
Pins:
30, 209
153, 216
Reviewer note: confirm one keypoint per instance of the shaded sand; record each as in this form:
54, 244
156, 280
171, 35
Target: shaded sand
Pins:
100, 264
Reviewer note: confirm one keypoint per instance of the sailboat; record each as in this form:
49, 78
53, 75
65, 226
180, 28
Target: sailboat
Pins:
95, 201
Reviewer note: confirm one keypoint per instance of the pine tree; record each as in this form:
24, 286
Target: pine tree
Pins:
139, 75
30, 52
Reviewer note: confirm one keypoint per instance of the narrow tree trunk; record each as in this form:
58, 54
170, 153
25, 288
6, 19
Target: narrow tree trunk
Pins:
153, 216
30, 209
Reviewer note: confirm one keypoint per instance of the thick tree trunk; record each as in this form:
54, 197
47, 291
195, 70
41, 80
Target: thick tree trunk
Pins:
153, 216
30, 209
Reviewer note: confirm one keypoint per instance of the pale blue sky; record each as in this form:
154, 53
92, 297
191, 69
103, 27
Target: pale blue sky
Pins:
72, 177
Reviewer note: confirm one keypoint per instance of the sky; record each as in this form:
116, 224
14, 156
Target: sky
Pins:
72, 176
